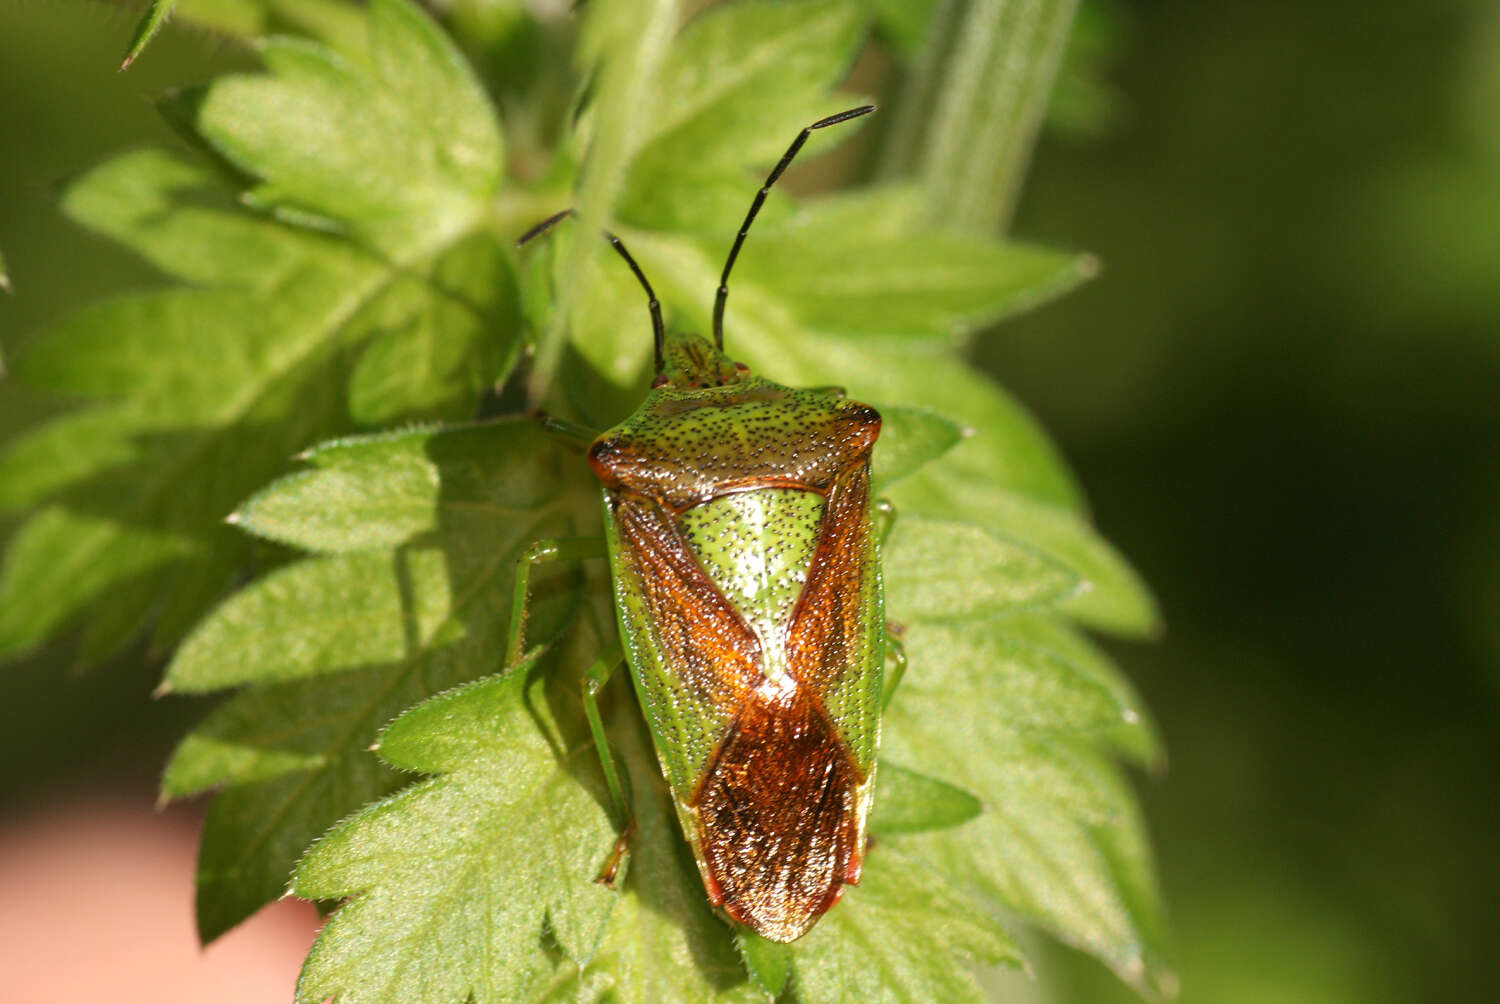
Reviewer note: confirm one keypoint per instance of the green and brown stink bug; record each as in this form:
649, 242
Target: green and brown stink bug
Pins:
744, 557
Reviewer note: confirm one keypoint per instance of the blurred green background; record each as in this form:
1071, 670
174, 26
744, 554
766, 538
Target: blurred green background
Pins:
1283, 399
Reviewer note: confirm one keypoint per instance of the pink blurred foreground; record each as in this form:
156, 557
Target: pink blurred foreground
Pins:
96, 904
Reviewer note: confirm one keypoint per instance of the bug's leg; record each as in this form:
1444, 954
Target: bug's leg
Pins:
885, 519
572, 432
895, 651
594, 679
618, 783
541, 552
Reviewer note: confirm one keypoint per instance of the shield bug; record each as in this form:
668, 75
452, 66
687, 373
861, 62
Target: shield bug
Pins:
744, 557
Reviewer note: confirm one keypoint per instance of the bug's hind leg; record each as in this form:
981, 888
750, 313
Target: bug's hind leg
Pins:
616, 780
895, 651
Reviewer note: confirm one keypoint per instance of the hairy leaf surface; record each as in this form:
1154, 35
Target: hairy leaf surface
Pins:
354, 639
454, 878
342, 302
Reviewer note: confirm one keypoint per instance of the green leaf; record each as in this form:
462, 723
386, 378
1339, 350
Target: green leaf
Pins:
841, 279
609, 330
370, 493
236, 745
1009, 450
418, 64
763, 67
1061, 844
441, 334
375, 492
59, 557
145, 30
622, 45
905, 24
444, 343
140, 346
1113, 599
936, 569
1135, 735
404, 153
738, 84
254, 833
454, 878
370, 633
909, 802
903, 934
488, 491
283, 627
5, 286
182, 217
769, 962
343, 263
295, 759
420, 329
907, 927
334, 22
755, 61
38, 463
662, 942
1059, 841
1022, 688
1008, 478
181, 428
855, 265
909, 438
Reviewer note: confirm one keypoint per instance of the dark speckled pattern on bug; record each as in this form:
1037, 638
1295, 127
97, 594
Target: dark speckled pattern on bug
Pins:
748, 591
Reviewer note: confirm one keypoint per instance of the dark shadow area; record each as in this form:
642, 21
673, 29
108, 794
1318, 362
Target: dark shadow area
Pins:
1281, 399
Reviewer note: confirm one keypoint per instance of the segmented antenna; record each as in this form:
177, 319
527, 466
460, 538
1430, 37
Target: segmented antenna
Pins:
658, 329
760, 198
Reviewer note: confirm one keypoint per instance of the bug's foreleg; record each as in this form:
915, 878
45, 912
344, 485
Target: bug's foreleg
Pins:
571, 432
618, 783
570, 549
541, 552
895, 651
885, 519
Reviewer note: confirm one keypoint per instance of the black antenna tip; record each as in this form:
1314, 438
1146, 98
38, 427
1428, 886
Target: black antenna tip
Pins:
852, 113
542, 227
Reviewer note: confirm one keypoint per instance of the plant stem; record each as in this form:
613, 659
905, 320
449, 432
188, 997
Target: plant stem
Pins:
974, 103
640, 31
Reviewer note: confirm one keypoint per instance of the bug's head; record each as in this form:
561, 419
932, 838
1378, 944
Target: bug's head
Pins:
690, 362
